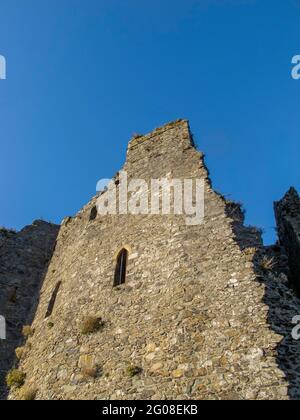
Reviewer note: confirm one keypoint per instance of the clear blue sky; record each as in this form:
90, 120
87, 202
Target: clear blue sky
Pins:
83, 75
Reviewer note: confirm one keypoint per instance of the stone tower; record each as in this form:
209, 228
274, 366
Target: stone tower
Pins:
194, 318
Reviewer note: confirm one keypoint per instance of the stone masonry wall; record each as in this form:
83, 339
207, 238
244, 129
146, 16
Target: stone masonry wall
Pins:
287, 213
192, 316
23, 259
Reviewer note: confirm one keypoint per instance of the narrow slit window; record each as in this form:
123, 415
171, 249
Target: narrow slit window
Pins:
93, 213
120, 273
52, 300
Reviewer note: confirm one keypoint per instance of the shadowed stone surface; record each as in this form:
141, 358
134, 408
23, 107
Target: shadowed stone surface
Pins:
24, 257
287, 213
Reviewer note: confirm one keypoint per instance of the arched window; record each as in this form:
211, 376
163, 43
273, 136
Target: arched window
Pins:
120, 273
52, 300
93, 213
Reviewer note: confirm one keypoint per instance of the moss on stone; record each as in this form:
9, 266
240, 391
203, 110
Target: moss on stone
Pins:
91, 325
15, 378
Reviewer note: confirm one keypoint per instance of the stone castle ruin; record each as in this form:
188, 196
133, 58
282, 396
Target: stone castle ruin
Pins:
148, 307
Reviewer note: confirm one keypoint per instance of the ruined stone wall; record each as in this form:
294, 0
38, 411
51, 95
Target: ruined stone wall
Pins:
23, 259
287, 213
192, 315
